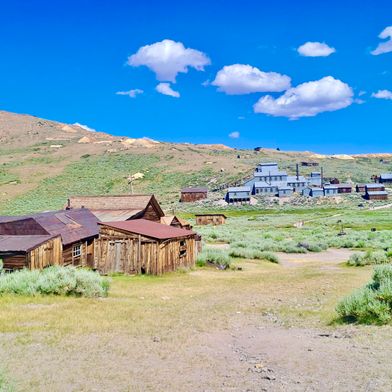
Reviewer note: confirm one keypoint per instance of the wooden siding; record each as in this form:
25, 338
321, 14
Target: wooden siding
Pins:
86, 258
48, 253
117, 251
189, 197
210, 220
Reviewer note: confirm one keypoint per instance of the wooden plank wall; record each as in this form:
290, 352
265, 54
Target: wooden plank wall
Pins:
116, 251
49, 253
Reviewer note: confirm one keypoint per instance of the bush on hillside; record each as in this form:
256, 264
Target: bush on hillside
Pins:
217, 257
370, 257
252, 253
371, 304
66, 281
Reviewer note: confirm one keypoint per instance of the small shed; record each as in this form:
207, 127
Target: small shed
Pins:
386, 178
360, 188
376, 195
345, 188
143, 247
330, 190
30, 251
176, 221
189, 195
285, 191
210, 219
240, 194
316, 192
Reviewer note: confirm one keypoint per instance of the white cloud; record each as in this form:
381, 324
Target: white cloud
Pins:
362, 92
131, 93
234, 135
245, 79
315, 49
167, 58
165, 89
308, 99
382, 94
85, 127
384, 47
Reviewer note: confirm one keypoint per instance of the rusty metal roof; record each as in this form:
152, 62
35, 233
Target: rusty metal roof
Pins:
22, 243
150, 229
72, 225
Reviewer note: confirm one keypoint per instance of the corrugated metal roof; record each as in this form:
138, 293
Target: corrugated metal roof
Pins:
115, 215
372, 186
150, 229
377, 193
239, 189
386, 176
72, 225
22, 243
344, 186
294, 179
194, 190
330, 187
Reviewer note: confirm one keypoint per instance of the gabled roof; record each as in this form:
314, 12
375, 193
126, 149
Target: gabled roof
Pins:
72, 225
372, 186
115, 207
377, 193
22, 243
386, 176
150, 229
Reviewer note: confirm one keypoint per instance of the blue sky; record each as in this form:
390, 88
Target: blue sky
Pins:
66, 60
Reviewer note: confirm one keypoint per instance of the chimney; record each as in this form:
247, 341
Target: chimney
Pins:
297, 171
322, 176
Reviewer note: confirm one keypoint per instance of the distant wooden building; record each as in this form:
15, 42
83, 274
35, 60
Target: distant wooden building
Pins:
374, 188
32, 252
334, 181
176, 221
344, 188
309, 163
110, 208
189, 195
385, 178
239, 194
376, 195
210, 219
77, 229
330, 190
360, 188
143, 247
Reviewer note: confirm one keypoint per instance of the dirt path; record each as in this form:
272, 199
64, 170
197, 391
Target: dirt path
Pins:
328, 257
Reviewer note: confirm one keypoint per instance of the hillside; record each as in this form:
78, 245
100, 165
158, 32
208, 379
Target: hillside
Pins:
42, 162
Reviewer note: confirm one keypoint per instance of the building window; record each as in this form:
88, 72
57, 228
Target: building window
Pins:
182, 248
77, 250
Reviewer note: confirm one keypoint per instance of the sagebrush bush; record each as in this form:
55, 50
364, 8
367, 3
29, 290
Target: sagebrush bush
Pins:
54, 280
371, 304
218, 257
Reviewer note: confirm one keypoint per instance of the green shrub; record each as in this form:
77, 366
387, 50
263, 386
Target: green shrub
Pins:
54, 281
5, 386
370, 257
218, 257
371, 304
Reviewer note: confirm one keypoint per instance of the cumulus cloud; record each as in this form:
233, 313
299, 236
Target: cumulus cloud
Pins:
315, 49
131, 93
382, 94
308, 99
384, 47
244, 79
168, 58
165, 89
234, 135
85, 127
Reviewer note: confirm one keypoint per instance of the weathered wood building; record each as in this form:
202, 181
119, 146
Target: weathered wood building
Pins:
189, 195
119, 208
210, 219
376, 195
175, 221
344, 188
359, 188
143, 247
385, 178
77, 230
33, 252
